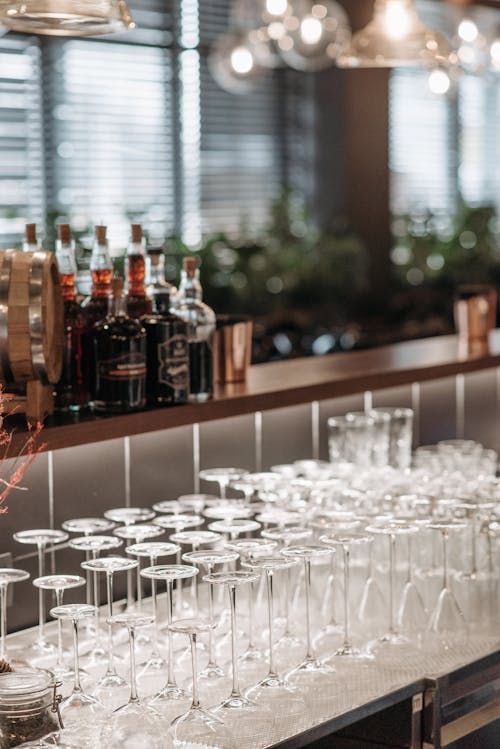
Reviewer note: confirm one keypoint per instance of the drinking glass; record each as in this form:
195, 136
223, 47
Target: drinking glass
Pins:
138, 533
346, 541
359, 438
8, 575
87, 527
372, 608
412, 615
447, 621
245, 718
197, 727
94, 545
79, 706
400, 436
59, 583
135, 723
212, 675
196, 502
232, 527
179, 523
336, 438
310, 671
223, 477
171, 699
111, 688
195, 539
155, 665
274, 691
41, 538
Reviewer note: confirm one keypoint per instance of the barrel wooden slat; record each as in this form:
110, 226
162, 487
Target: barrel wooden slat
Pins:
35, 317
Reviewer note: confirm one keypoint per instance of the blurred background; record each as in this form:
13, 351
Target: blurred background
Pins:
340, 208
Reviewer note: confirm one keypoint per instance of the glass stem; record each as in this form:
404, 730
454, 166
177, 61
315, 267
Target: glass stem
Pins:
287, 602
270, 614
251, 644
392, 582
179, 597
88, 577
473, 548
59, 599
77, 685
133, 677
97, 601
3, 620
347, 634
41, 593
109, 594
222, 487
130, 583
194, 661
211, 656
232, 605
194, 583
170, 616
154, 604
331, 588
445, 560
409, 576
139, 584
307, 583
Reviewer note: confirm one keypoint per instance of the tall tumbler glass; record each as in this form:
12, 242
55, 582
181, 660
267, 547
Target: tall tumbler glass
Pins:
400, 436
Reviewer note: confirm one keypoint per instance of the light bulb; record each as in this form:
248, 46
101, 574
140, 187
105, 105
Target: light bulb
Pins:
311, 30
439, 82
468, 31
241, 60
397, 19
495, 54
276, 7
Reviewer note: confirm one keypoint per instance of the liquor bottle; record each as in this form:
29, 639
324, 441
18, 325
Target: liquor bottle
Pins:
30, 243
72, 389
200, 319
155, 276
118, 358
167, 380
101, 269
138, 302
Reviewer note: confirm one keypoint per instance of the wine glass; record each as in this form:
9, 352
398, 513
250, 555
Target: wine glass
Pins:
223, 477
310, 671
171, 699
197, 726
195, 539
59, 583
94, 545
233, 527
8, 575
372, 607
79, 706
87, 527
168, 506
246, 719
346, 541
274, 691
212, 675
155, 665
447, 621
111, 688
135, 723
138, 532
228, 511
41, 538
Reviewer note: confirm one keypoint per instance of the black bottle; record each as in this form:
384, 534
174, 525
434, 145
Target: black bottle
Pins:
167, 380
118, 359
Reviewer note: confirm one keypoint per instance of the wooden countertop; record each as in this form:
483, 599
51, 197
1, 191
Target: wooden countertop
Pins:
281, 384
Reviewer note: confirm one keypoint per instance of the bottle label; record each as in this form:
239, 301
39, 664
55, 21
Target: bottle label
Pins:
127, 366
173, 362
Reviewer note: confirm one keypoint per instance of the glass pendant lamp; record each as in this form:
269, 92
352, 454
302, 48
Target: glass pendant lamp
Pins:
395, 37
66, 17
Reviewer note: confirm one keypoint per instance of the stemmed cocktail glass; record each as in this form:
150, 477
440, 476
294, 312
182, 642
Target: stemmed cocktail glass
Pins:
8, 575
129, 516
195, 539
87, 527
223, 477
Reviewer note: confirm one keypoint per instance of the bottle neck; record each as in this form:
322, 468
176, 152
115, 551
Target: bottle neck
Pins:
101, 269
100, 259
161, 303
136, 248
155, 270
190, 287
27, 247
117, 306
65, 254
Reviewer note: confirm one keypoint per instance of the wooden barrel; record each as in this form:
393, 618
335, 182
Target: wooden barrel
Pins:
31, 317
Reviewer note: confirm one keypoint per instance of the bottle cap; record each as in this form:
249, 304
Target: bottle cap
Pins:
31, 233
136, 230
100, 233
190, 265
116, 287
155, 251
64, 233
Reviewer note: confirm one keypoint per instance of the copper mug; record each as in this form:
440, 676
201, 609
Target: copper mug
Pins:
233, 348
475, 312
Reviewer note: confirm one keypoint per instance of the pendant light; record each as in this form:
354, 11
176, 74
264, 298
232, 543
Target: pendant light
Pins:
395, 37
66, 17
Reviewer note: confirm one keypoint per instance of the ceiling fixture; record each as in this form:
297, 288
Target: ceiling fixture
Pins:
66, 17
233, 62
395, 37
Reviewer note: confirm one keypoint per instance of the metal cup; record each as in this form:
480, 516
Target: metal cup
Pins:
233, 348
475, 313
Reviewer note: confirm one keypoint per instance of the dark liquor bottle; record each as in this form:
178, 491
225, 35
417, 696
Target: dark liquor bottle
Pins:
30, 243
138, 302
72, 389
118, 359
167, 354
200, 319
101, 269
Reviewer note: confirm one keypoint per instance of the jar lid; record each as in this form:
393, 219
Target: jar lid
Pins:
19, 685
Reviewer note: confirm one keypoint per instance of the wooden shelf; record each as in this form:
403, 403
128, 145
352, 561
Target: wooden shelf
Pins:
281, 384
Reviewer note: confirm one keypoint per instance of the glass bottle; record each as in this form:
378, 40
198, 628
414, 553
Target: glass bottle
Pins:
118, 358
72, 389
28, 707
155, 276
101, 269
138, 302
30, 243
200, 319
167, 380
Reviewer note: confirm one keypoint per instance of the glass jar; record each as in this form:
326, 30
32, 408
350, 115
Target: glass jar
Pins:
29, 706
